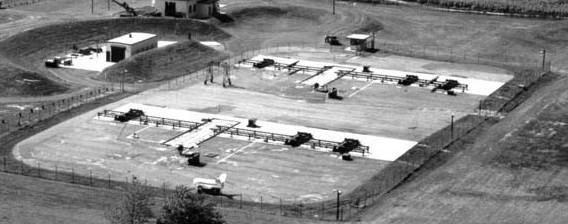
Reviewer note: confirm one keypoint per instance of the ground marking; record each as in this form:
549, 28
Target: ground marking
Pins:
364, 87
142, 129
232, 154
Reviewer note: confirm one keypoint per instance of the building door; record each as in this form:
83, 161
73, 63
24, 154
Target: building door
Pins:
117, 53
170, 9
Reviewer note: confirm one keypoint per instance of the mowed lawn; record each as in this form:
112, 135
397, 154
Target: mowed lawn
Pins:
33, 200
514, 172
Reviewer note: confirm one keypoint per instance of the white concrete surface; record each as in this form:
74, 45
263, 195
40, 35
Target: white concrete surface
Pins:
324, 78
194, 137
281, 60
213, 44
97, 62
94, 62
163, 43
381, 148
475, 86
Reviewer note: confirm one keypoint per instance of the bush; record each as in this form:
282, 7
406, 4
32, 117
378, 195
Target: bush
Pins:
183, 207
134, 205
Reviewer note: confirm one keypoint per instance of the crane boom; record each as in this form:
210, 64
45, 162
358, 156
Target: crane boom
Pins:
126, 7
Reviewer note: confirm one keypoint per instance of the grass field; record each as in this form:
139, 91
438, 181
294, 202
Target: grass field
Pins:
509, 174
20, 82
29, 49
163, 64
10, 17
540, 8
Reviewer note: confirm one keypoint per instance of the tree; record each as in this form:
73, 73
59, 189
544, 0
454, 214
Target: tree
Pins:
183, 207
134, 205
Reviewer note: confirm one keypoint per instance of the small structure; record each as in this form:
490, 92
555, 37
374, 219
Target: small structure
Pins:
187, 8
130, 44
208, 185
359, 42
130, 115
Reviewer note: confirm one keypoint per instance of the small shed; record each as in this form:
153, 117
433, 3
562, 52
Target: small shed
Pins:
187, 8
130, 44
359, 41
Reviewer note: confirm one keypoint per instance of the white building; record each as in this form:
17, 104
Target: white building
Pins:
187, 8
130, 44
359, 42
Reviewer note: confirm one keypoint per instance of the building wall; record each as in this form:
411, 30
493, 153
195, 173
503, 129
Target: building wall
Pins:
360, 45
135, 48
184, 6
127, 53
144, 45
205, 10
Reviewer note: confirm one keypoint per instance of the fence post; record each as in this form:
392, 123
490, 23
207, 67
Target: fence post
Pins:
281, 207
21, 167
261, 203
300, 209
72, 175
38, 171
108, 180
56, 172
91, 178
4, 164
241, 201
322, 210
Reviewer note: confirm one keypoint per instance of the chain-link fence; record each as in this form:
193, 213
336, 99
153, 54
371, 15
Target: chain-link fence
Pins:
43, 109
346, 205
16, 3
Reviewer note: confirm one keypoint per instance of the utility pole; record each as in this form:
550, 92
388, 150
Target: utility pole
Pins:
333, 6
122, 80
452, 128
108, 4
373, 42
543, 52
92, 6
337, 212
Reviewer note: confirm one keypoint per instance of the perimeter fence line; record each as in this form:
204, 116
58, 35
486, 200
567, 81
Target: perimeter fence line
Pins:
16, 3
500, 102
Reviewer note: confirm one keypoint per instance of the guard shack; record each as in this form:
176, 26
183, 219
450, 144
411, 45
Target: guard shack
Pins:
359, 42
130, 44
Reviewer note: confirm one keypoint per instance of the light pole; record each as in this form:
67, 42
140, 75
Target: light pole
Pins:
333, 6
122, 81
338, 194
452, 128
543, 52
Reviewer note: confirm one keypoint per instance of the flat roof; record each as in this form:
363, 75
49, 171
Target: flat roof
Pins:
359, 36
132, 38
210, 43
206, 1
